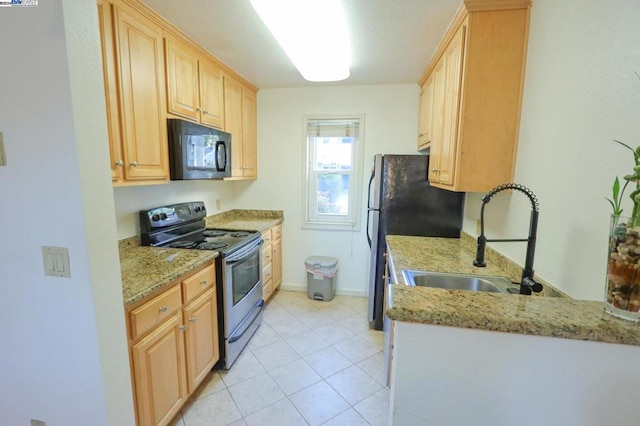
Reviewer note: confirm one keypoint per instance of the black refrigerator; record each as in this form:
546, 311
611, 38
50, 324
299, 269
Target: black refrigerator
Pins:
401, 202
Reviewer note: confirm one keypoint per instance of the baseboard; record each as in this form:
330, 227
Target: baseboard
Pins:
342, 292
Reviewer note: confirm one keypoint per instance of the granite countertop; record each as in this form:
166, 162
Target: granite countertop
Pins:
245, 220
145, 270
539, 316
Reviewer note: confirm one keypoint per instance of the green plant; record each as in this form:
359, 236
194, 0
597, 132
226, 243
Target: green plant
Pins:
617, 194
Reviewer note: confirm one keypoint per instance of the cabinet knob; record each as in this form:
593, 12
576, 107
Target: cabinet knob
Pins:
192, 319
435, 170
183, 327
119, 163
163, 309
203, 282
198, 109
420, 135
134, 164
205, 112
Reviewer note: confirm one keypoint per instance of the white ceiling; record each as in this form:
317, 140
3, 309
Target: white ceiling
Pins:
392, 40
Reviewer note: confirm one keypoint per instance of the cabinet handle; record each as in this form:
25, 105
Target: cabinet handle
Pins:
119, 163
192, 319
420, 135
134, 164
205, 112
435, 170
203, 282
163, 309
198, 109
183, 327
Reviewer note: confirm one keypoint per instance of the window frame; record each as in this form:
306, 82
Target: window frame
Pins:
352, 221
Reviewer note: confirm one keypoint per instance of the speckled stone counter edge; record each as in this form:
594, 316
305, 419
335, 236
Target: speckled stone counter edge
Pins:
537, 316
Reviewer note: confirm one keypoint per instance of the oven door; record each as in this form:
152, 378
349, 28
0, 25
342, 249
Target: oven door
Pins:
242, 284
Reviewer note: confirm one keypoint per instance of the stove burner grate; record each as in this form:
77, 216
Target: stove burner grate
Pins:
182, 244
241, 234
212, 233
211, 245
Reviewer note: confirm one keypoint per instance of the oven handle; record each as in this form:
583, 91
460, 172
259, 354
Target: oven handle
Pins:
243, 253
251, 314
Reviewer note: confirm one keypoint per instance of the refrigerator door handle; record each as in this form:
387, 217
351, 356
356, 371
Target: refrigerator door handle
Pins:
373, 173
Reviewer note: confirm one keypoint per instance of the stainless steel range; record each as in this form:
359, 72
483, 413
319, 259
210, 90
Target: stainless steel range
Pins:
238, 267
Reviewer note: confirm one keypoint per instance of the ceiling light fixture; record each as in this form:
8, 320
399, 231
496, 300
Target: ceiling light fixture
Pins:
313, 33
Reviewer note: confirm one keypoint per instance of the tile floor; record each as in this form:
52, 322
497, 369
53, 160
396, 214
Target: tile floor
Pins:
309, 363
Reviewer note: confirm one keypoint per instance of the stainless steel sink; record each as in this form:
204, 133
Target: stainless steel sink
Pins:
459, 281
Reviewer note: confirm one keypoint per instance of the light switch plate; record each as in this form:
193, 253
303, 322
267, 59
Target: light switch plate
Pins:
56, 261
3, 157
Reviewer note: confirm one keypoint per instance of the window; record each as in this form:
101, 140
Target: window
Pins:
333, 172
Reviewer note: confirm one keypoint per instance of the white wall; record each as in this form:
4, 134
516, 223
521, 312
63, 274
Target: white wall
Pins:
130, 200
456, 376
391, 113
580, 94
55, 356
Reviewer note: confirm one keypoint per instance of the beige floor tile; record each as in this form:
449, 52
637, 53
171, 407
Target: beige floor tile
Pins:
240, 422
333, 333
347, 418
275, 355
358, 304
326, 362
306, 343
289, 327
319, 403
374, 367
355, 323
375, 409
337, 311
274, 313
294, 376
356, 348
375, 337
215, 409
353, 384
283, 297
245, 367
263, 336
282, 413
315, 318
255, 394
212, 384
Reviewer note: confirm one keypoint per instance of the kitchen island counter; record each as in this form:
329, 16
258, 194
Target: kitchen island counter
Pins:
530, 315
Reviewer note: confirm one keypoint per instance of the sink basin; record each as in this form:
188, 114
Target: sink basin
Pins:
459, 281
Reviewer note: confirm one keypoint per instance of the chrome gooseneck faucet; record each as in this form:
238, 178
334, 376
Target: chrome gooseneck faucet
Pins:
527, 284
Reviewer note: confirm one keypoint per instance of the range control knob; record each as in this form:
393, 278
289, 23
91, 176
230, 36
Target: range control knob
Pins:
163, 216
155, 218
197, 208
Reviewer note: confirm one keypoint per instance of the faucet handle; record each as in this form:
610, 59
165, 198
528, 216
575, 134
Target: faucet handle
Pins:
529, 285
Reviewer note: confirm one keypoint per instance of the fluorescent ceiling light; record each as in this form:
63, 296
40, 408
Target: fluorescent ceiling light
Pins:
313, 33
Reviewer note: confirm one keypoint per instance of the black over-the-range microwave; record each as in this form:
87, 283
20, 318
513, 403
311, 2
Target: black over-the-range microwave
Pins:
198, 152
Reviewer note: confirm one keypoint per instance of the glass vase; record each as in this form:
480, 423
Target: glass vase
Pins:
622, 296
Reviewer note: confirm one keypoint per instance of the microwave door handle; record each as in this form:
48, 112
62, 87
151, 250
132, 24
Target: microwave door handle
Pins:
221, 156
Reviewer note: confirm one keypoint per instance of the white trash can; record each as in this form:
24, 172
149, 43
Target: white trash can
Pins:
322, 272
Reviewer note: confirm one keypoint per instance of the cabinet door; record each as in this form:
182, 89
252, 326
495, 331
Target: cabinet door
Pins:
425, 117
233, 122
182, 80
451, 107
143, 113
105, 20
159, 373
436, 125
211, 95
276, 263
201, 318
249, 134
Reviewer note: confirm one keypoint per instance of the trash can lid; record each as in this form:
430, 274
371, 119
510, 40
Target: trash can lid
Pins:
322, 261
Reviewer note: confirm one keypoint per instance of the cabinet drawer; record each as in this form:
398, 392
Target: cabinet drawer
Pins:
266, 255
276, 232
266, 237
267, 290
266, 273
198, 283
155, 311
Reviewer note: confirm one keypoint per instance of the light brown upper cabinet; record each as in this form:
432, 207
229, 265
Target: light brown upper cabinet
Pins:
241, 122
134, 87
477, 75
194, 86
425, 114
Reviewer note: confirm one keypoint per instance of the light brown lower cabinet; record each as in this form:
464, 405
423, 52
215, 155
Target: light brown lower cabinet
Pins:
271, 261
173, 345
